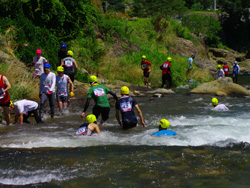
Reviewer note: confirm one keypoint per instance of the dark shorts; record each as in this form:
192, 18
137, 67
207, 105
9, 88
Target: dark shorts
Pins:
146, 74
104, 111
128, 125
62, 98
7, 105
71, 75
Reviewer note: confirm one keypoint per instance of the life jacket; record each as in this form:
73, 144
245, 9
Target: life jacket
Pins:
4, 98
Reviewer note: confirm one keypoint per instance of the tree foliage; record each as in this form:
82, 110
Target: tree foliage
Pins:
205, 27
235, 20
147, 8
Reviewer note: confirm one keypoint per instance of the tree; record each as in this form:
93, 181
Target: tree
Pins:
148, 8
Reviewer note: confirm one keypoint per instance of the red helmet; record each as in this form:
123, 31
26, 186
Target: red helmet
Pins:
38, 51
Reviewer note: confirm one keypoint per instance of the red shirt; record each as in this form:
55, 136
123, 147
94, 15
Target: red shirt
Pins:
166, 68
5, 98
226, 69
145, 65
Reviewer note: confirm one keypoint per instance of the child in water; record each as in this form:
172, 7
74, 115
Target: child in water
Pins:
163, 126
218, 107
89, 127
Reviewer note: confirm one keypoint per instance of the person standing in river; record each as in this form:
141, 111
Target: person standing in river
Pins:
5, 97
70, 65
146, 67
166, 72
126, 105
99, 94
236, 70
62, 81
47, 90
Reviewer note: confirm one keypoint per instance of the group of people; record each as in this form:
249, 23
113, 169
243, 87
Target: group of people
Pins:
66, 70
223, 71
146, 66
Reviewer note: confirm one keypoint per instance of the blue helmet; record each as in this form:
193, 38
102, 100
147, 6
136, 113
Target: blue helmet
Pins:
47, 65
235, 62
63, 46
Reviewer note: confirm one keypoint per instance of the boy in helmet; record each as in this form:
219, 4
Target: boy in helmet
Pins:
126, 105
70, 65
190, 64
39, 62
220, 73
89, 127
62, 53
62, 81
146, 67
163, 129
47, 90
218, 107
236, 70
99, 94
166, 72
23, 109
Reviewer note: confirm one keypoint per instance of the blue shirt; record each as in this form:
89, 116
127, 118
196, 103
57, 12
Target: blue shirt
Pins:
236, 69
165, 133
126, 105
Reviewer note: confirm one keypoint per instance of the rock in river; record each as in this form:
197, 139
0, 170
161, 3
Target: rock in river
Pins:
224, 85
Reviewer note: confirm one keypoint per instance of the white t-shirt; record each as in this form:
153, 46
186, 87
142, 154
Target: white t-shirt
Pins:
47, 82
62, 85
24, 106
39, 64
221, 107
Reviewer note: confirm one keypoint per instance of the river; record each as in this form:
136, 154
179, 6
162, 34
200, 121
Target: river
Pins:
211, 149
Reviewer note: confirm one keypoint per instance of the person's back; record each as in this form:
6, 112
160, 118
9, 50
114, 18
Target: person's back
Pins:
218, 107
126, 106
226, 69
68, 65
163, 129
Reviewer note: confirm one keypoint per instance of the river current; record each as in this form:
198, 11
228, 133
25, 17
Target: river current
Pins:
211, 149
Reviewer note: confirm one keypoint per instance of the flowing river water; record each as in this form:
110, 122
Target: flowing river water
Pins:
211, 150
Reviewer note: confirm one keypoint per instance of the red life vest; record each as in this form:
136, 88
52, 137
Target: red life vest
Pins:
166, 68
6, 97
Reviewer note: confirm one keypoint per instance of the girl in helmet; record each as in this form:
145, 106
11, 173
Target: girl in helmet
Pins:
89, 127
163, 129
126, 105
39, 62
220, 73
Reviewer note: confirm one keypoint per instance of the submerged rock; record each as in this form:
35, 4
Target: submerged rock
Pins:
224, 85
161, 91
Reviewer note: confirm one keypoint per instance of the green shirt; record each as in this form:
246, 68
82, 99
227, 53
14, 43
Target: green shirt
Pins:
99, 94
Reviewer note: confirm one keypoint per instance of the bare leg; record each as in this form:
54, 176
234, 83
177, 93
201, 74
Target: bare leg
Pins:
6, 112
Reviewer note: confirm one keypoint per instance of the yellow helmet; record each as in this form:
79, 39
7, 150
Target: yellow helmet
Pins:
11, 103
144, 57
70, 53
124, 90
91, 118
219, 66
214, 101
72, 94
92, 78
164, 123
169, 59
60, 69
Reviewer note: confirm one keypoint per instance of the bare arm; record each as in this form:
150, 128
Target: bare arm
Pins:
62, 63
140, 114
94, 127
76, 66
71, 83
21, 118
118, 117
7, 84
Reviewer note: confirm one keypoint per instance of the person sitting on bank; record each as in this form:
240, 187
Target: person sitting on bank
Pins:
126, 105
163, 129
218, 107
89, 127
23, 109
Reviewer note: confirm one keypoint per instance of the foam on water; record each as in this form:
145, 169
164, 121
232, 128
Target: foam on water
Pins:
194, 131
